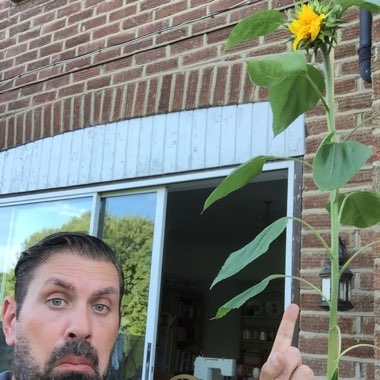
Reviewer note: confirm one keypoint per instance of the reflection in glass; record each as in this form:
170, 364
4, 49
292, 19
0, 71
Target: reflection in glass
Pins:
23, 225
127, 224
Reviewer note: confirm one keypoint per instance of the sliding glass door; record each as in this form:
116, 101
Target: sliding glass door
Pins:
130, 224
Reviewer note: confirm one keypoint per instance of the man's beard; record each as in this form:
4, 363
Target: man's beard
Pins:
25, 366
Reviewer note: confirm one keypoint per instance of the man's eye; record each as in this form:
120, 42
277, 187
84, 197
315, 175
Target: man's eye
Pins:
100, 308
57, 302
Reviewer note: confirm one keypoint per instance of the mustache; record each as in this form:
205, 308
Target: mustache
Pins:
74, 348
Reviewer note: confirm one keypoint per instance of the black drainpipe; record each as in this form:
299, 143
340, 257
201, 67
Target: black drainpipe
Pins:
365, 45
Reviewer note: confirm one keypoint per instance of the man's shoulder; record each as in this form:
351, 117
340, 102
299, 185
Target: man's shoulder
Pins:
5, 375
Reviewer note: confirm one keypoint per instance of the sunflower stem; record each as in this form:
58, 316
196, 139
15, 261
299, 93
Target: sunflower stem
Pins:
333, 354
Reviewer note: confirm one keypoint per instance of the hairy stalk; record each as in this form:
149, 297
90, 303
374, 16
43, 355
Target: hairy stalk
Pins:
334, 338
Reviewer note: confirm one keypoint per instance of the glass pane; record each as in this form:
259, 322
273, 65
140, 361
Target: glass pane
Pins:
127, 225
24, 225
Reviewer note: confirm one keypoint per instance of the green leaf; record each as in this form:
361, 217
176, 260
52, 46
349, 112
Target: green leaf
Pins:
362, 209
256, 25
371, 5
294, 96
272, 71
253, 250
294, 86
336, 163
243, 297
238, 178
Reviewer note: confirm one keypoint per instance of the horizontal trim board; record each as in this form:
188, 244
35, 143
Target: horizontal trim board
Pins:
164, 144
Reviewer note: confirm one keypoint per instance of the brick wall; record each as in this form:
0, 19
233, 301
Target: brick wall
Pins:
70, 64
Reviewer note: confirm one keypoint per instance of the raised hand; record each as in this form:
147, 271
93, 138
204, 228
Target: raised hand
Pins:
284, 361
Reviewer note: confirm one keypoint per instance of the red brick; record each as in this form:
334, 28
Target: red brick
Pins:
24, 80
71, 90
41, 41
19, 129
179, 90
92, 72
201, 55
68, 10
53, 26
220, 85
57, 118
87, 109
97, 83
248, 91
186, 45
77, 112
136, 20
152, 97
11, 132
209, 24
172, 35
134, 47
127, 75
109, 6
235, 83
19, 28
77, 40
107, 31
150, 55
130, 97
43, 19
118, 103
171, 9
123, 13
164, 101
162, 66
192, 15
192, 89
80, 16
151, 4
55, 83
79, 63
38, 64
47, 119
29, 129
141, 96
37, 121
97, 106
111, 57
219, 35
51, 49
205, 91
29, 35
359, 101
93, 23
152, 27
31, 89
3, 143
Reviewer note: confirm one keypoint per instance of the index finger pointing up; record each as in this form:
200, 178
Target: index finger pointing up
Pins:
285, 332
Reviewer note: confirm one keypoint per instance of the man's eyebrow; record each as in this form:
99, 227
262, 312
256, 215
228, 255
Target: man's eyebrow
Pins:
60, 283
106, 291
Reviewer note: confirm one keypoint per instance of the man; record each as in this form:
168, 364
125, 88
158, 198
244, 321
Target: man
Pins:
64, 318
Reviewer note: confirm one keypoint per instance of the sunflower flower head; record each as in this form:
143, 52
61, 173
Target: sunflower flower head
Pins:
313, 24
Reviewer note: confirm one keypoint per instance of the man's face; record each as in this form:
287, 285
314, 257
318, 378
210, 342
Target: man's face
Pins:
68, 322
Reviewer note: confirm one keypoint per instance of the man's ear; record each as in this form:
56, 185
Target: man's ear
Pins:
9, 321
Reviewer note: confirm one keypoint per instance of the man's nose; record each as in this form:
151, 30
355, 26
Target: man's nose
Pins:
79, 326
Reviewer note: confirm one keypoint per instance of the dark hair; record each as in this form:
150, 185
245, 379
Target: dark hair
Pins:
78, 243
